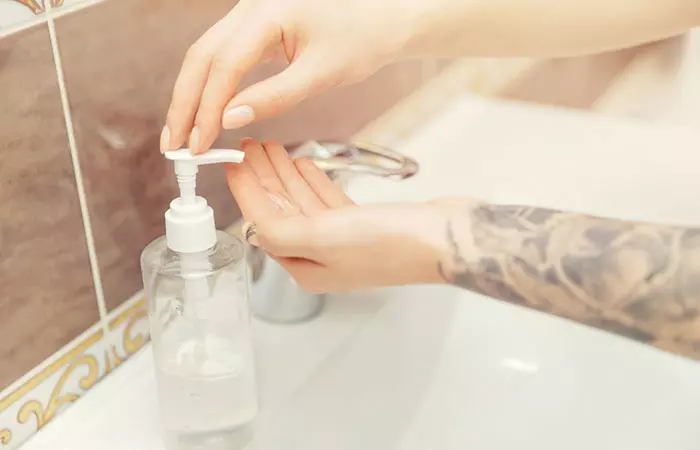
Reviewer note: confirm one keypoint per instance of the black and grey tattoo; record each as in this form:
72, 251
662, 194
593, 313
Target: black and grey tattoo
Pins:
638, 280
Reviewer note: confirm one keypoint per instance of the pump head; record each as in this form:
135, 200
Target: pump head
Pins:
189, 223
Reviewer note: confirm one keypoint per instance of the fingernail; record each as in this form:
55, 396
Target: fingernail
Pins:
249, 231
194, 140
237, 117
165, 139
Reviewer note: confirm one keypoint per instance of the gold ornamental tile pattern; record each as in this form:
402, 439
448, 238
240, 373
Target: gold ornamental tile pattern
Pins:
37, 7
33, 404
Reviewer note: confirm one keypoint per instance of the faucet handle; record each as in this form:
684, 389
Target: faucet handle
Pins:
357, 157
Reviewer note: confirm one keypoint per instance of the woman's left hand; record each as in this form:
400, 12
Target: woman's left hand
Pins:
321, 237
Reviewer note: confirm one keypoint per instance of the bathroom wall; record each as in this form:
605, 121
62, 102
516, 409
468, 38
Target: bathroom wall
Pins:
83, 90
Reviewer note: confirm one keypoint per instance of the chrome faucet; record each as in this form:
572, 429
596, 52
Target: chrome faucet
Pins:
276, 296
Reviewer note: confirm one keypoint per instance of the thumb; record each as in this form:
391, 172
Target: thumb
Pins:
279, 93
290, 237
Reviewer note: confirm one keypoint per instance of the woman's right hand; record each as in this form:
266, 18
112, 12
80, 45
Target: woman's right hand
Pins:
326, 44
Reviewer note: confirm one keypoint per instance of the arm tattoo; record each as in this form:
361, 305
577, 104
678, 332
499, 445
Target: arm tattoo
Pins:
638, 280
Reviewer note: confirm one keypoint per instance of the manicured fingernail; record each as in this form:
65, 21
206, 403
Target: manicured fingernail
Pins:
194, 140
249, 231
165, 139
238, 117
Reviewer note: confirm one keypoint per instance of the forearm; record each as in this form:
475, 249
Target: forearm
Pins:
638, 280
545, 28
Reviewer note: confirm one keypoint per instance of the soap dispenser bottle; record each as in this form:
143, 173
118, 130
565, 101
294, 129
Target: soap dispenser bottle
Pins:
196, 281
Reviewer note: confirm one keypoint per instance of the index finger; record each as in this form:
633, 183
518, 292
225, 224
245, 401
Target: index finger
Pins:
236, 56
252, 198
189, 85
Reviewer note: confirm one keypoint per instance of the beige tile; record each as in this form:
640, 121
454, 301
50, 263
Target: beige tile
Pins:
47, 296
120, 60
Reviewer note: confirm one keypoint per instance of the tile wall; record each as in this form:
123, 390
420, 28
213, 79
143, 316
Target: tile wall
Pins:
83, 90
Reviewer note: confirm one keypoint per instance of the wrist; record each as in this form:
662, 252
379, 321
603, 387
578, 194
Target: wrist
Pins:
453, 242
432, 228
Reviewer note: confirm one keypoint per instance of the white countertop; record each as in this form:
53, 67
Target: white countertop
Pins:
438, 368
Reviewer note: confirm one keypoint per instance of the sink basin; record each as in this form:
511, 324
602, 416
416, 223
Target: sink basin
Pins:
438, 368
443, 369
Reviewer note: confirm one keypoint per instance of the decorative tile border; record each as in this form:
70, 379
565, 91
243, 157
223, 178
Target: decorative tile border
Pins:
34, 6
40, 6
16, 15
37, 399
69, 6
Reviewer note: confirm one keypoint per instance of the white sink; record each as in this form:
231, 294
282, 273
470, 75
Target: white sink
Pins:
438, 368
441, 369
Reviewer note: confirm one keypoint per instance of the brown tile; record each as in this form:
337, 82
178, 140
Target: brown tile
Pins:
570, 82
120, 60
46, 291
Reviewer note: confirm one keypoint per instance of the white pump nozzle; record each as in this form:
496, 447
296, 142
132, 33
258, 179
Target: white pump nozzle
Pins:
189, 223
213, 156
187, 166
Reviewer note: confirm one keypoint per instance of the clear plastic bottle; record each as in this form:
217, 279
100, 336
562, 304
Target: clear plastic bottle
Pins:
197, 284
198, 308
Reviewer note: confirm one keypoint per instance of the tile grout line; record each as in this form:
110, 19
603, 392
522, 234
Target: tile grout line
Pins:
87, 226
68, 9
42, 18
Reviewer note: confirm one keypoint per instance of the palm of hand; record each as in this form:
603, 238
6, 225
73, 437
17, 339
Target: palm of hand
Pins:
321, 237
282, 197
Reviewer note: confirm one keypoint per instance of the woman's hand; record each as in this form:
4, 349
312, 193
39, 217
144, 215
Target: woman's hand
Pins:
321, 237
326, 43
333, 43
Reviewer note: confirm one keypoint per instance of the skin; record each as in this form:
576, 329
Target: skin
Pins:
633, 279
637, 280
334, 43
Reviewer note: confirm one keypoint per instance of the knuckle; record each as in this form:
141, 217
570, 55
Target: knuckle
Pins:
333, 81
305, 165
277, 96
205, 108
196, 52
222, 63
178, 101
177, 117
204, 121
271, 143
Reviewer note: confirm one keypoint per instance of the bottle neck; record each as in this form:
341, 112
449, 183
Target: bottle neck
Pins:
188, 185
190, 226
